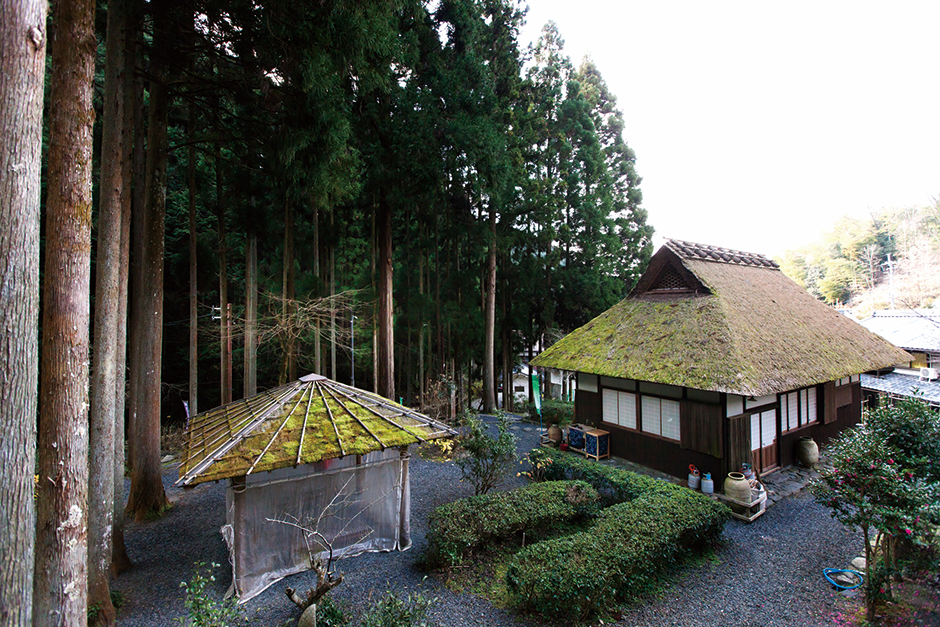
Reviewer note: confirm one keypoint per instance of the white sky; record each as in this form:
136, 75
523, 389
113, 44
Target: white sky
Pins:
757, 124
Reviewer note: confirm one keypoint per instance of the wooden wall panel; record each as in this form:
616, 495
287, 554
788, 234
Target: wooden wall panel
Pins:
739, 441
587, 408
700, 428
829, 402
843, 395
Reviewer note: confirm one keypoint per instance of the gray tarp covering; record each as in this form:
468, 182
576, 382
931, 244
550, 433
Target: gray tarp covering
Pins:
361, 507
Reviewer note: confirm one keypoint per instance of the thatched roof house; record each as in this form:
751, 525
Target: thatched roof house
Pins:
713, 337
296, 452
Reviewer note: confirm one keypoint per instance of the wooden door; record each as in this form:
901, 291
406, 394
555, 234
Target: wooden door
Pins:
764, 455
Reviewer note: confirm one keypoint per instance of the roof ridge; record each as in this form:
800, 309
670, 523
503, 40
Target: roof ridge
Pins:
706, 252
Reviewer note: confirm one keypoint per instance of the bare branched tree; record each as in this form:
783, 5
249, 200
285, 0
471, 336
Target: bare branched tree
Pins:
295, 324
319, 543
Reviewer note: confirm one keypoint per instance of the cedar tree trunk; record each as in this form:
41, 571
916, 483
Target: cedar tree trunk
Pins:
119, 558
251, 317
385, 383
60, 592
225, 352
107, 292
22, 67
289, 369
489, 323
147, 497
136, 234
193, 292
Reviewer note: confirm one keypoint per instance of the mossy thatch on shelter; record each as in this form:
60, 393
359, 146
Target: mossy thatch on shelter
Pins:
720, 320
307, 421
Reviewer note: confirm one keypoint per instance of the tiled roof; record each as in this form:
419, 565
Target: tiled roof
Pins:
909, 329
703, 252
898, 384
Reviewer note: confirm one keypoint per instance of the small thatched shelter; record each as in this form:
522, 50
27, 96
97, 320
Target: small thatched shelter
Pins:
312, 454
717, 358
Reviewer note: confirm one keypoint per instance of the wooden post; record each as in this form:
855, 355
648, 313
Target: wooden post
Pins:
228, 353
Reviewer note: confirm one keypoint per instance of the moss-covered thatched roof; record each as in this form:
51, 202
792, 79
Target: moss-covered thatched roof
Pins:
303, 422
721, 320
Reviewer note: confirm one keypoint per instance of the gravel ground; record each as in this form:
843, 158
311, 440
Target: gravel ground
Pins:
767, 573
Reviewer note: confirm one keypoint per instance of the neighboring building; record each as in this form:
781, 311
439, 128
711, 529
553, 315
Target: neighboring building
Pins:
918, 333
716, 358
521, 381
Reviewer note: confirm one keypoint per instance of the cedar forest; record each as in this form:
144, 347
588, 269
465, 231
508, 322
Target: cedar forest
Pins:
240, 193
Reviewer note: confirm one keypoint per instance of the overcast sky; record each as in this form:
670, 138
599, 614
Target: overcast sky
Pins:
757, 124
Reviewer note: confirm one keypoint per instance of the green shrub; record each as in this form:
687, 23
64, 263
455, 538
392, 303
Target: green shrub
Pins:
911, 430
622, 557
487, 460
457, 528
392, 610
202, 608
330, 613
613, 484
553, 412
884, 481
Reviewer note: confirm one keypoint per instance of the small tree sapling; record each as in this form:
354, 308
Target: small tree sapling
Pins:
868, 490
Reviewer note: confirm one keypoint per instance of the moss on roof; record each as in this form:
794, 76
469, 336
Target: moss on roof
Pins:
303, 422
757, 333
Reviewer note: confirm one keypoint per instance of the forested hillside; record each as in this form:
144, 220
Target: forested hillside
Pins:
889, 257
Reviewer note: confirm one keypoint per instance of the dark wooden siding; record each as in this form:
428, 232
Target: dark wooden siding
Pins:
664, 455
700, 428
739, 442
703, 442
829, 403
587, 407
836, 419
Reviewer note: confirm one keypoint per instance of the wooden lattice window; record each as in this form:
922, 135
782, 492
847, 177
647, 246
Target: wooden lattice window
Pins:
669, 280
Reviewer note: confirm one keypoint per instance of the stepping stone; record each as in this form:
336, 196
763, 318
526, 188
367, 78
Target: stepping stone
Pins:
859, 564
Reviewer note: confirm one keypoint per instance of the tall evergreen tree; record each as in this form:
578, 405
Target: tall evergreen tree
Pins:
60, 587
634, 235
147, 496
22, 68
115, 195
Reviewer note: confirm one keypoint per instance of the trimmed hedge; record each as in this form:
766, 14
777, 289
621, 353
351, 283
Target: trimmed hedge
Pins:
613, 484
457, 528
622, 557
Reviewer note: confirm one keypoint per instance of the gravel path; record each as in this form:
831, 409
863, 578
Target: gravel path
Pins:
767, 573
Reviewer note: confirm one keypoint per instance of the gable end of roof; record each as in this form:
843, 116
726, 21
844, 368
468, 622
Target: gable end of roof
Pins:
667, 275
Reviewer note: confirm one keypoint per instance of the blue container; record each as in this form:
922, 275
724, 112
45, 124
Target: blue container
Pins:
597, 444
576, 437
